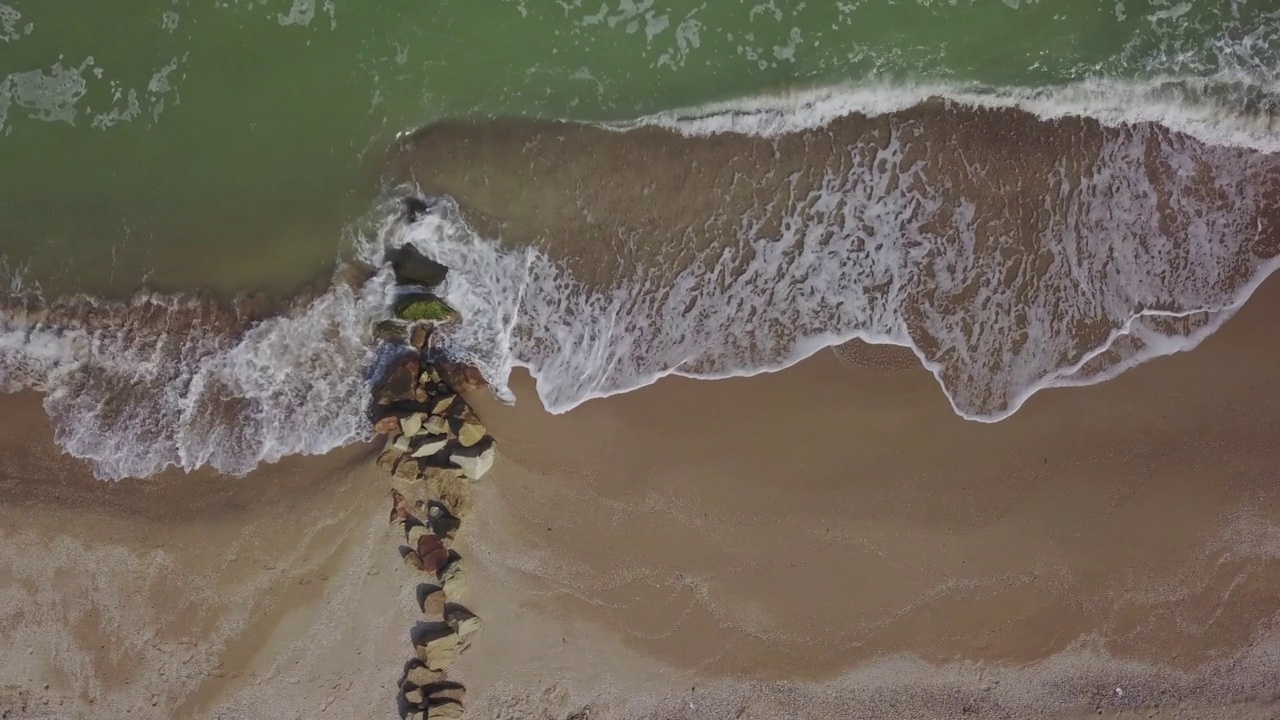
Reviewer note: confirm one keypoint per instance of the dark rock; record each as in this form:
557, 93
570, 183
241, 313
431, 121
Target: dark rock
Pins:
414, 268
390, 330
399, 383
433, 553
459, 377
415, 208
443, 523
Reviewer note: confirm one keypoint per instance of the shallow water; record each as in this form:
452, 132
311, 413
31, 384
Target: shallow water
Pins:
785, 151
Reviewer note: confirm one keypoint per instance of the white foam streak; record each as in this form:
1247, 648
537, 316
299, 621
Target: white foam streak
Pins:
1213, 109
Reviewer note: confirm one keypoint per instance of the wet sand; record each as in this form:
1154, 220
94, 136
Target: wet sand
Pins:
827, 541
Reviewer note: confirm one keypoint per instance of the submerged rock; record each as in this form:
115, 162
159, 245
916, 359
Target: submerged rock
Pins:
413, 268
424, 307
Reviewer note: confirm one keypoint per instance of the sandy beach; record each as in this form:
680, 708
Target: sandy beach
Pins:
826, 541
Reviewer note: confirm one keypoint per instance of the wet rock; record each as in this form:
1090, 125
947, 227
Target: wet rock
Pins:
461, 378
390, 330
387, 425
433, 604
462, 620
413, 268
433, 553
430, 445
429, 377
419, 335
438, 648
476, 460
399, 384
424, 308
419, 676
415, 208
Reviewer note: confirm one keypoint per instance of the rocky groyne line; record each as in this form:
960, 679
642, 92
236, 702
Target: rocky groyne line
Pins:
436, 447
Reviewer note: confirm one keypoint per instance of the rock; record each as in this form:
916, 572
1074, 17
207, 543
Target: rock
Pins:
413, 533
408, 469
424, 307
390, 330
399, 383
436, 425
387, 425
415, 697
438, 648
389, 459
443, 523
433, 604
433, 552
430, 446
462, 620
474, 461
416, 715
411, 424
440, 405
429, 377
454, 580
461, 378
469, 429
446, 692
413, 560
444, 711
399, 443
399, 508
419, 334
419, 676
413, 268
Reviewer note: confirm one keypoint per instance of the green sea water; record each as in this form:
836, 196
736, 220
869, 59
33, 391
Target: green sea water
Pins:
223, 144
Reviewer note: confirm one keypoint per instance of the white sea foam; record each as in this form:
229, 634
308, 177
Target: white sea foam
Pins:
1222, 109
161, 381
856, 259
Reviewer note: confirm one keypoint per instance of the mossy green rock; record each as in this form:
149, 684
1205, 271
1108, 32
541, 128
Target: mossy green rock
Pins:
424, 307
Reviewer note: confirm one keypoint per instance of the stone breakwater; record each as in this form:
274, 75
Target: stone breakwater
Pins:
436, 447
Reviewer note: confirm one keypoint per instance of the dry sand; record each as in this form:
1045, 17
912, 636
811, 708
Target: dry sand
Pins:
830, 541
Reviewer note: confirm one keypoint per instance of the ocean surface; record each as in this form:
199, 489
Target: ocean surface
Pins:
1026, 194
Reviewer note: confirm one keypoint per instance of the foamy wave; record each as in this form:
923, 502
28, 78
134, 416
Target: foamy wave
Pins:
167, 381
1142, 247
1227, 109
